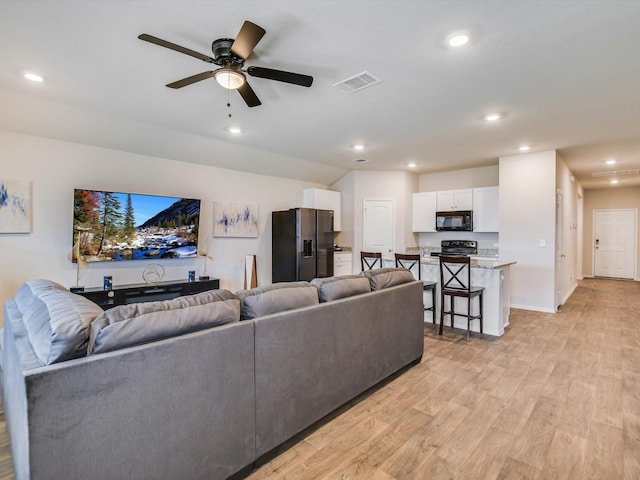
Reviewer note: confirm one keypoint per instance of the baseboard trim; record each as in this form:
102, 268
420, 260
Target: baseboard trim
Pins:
566, 297
533, 309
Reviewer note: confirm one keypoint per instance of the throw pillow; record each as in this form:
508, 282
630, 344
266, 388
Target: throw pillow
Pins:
56, 320
388, 277
138, 323
342, 286
278, 297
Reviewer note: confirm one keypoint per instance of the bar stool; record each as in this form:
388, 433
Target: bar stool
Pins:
409, 261
455, 280
370, 260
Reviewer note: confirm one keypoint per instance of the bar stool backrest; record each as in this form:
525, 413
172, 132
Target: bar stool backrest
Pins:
455, 273
369, 260
409, 261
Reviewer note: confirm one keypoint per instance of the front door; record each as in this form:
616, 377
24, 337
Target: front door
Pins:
614, 233
379, 226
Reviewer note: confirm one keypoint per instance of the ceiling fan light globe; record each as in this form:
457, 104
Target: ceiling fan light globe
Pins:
229, 78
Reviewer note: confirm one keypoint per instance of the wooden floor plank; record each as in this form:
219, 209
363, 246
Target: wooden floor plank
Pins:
604, 458
565, 459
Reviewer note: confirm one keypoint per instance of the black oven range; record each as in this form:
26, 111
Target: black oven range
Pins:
457, 247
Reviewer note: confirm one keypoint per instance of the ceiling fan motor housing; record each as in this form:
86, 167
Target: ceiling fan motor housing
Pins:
221, 49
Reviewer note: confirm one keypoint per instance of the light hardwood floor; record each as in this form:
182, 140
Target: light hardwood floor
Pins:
558, 396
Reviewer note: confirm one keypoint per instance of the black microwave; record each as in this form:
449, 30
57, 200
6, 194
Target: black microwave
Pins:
457, 221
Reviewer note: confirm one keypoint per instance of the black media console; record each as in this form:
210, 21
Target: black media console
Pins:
144, 292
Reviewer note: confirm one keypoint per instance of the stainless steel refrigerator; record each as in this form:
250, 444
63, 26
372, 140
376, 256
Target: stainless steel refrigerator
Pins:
302, 244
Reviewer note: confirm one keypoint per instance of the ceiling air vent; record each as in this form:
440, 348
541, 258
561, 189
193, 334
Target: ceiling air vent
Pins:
632, 171
357, 82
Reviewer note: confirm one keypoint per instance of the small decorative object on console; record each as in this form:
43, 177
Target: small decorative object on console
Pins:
153, 273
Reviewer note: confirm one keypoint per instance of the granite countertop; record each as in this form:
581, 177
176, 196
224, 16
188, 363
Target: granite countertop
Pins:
477, 261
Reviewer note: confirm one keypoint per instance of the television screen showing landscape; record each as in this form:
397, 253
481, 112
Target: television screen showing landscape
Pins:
112, 226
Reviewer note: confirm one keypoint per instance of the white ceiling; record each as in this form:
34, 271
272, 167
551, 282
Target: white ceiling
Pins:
565, 75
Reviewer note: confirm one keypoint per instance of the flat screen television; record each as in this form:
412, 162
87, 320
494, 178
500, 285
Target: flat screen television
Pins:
115, 226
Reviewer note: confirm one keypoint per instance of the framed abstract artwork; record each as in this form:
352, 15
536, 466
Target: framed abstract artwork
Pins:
235, 219
15, 206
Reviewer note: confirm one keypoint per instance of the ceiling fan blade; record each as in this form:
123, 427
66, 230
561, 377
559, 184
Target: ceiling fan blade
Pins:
248, 95
247, 39
189, 80
173, 46
280, 76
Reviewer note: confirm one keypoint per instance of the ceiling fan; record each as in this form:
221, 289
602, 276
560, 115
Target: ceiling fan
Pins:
230, 54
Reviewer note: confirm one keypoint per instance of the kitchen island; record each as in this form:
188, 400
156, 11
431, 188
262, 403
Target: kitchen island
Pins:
488, 272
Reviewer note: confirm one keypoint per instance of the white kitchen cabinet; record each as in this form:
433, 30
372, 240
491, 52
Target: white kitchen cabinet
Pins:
449, 200
342, 263
323, 200
424, 212
486, 210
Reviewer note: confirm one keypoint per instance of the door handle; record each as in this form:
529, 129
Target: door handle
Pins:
562, 255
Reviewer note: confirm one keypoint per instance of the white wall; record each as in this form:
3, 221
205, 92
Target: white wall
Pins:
456, 179
56, 168
410, 187
527, 216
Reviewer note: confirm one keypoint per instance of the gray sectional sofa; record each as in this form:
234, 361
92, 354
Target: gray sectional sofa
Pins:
198, 387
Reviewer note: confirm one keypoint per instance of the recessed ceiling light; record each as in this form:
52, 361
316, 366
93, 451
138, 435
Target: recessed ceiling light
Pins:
358, 146
235, 130
524, 148
492, 117
458, 40
611, 161
614, 181
34, 77
411, 165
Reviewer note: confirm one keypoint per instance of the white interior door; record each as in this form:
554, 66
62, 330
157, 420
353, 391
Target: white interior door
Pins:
379, 226
614, 234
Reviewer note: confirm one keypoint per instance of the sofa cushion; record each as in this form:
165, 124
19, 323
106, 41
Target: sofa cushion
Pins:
56, 320
278, 297
342, 286
388, 277
138, 323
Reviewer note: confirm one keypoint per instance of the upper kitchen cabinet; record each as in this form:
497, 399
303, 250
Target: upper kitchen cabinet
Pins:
424, 212
486, 210
323, 200
449, 200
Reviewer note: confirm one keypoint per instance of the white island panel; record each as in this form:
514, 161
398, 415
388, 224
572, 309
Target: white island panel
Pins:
495, 298
492, 274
